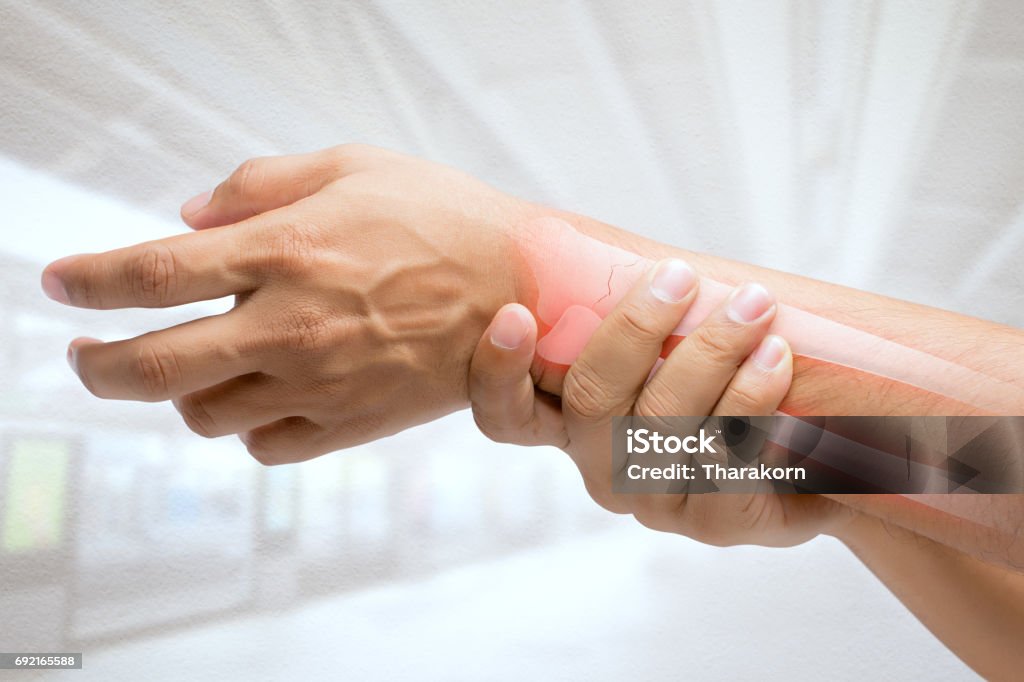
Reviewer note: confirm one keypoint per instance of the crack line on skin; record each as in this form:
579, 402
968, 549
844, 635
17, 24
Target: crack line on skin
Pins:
611, 274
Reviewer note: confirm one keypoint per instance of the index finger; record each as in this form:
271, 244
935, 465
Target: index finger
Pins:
611, 369
182, 269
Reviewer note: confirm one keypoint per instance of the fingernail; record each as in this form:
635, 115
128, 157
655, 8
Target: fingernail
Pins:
53, 286
71, 359
192, 206
509, 330
672, 280
749, 303
770, 352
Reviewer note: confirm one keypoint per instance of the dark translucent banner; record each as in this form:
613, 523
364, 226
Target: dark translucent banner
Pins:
787, 454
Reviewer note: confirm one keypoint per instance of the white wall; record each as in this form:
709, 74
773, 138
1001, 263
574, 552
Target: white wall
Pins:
877, 144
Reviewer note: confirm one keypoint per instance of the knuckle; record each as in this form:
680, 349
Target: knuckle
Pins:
716, 349
716, 537
347, 157
359, 428
503, 431
81, 286
248, 178
658, 400
640, 327
156, 371
196, 417
260, 449
490, 428
289, 252
652, 517
584, 394
704, 525
747, 399
604, 497
154, 275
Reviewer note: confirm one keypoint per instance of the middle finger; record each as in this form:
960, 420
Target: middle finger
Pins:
697, 372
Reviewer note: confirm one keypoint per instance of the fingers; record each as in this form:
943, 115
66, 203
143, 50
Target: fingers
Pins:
501, 389
264, 184
696, 373
190, 268
164, 364
612, 368
288, 440
761, 382
156, 274
239, 404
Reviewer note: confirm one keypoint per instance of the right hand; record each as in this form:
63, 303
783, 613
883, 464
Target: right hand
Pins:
728, 366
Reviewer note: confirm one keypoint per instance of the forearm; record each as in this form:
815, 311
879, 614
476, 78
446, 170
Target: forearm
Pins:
989, 527
367, 276
976, 609
830, 389
986, 526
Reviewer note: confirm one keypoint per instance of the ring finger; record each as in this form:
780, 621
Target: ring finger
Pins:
164, 364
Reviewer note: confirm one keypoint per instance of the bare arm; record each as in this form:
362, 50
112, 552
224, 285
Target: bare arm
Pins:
827, 389
987, 526
364, 280
406, 243
975, 608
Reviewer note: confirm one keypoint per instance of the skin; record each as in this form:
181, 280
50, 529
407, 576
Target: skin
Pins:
363, 281
573, 300
975, 608
350, 272
980, 613
727, 368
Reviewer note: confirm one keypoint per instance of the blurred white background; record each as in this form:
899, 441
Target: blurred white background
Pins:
876, 144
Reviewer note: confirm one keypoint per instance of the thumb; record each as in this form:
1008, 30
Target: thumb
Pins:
501, 389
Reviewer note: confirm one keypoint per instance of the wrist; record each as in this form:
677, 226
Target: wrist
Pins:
488, 272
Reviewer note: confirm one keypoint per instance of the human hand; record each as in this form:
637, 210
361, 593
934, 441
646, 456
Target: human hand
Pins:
363, 279
728, 366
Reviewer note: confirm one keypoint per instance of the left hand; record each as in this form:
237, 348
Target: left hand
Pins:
363, 279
